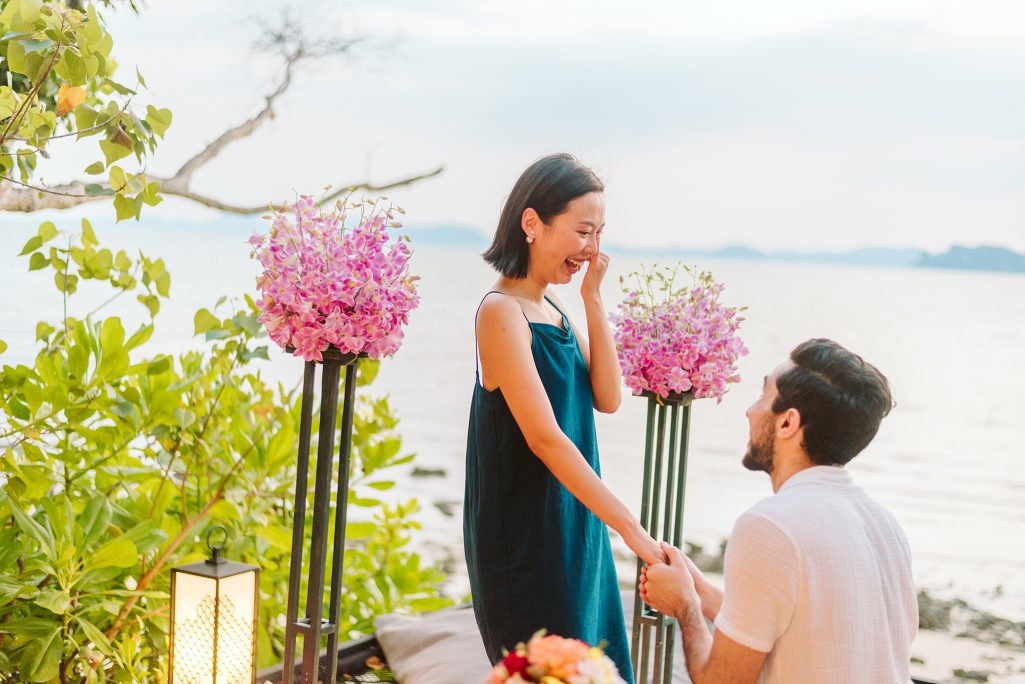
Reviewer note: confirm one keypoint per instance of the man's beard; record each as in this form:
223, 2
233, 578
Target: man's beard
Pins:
761, 451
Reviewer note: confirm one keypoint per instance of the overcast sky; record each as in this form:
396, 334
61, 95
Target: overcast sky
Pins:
791, 124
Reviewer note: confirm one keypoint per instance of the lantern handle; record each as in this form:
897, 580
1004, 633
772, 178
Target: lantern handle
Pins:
215, 549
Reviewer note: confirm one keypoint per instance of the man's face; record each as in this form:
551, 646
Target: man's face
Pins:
761, 445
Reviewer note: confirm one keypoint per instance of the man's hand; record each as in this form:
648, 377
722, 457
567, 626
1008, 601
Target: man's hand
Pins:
669, 588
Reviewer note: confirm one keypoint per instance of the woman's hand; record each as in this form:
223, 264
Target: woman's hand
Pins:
597, 265
646, 548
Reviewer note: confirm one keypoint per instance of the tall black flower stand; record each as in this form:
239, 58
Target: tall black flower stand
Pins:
665, 481
313, 626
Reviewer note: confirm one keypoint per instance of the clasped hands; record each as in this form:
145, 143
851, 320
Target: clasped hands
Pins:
673, 586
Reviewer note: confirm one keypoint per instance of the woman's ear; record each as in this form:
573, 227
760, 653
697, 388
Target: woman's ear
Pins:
530, 222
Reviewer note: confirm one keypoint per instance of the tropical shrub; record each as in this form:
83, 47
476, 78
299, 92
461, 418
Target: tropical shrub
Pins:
116, 461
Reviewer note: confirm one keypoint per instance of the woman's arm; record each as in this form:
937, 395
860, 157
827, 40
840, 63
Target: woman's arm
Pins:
504, 339
599, 349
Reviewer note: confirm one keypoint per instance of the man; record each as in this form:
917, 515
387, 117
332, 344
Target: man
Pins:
818, 586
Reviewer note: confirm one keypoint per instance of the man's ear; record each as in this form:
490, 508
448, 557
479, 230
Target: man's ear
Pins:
788, 424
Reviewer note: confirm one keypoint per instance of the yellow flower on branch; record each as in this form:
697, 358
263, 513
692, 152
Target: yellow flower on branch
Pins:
69, 97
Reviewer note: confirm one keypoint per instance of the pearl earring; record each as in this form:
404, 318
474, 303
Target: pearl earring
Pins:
530, 238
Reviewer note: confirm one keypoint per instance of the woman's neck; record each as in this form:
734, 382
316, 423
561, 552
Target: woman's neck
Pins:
531, 288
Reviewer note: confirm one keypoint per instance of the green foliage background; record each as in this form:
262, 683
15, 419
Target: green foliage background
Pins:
116, 460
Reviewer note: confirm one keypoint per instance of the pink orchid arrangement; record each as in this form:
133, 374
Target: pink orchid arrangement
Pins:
325, 284
676, 339
554, 660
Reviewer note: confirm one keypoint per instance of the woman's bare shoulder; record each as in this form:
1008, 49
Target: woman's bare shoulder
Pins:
498, 307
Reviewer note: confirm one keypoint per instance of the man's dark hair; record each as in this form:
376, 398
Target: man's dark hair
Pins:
547, 186
841, 399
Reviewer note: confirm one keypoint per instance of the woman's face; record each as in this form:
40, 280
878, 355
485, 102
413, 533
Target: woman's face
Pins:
562, 247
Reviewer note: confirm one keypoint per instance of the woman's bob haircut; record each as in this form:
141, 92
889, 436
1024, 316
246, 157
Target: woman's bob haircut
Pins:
547, 186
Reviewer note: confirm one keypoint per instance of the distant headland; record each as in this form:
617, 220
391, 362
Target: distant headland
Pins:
983, 258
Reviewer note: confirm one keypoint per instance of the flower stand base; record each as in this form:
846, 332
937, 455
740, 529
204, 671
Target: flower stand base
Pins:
665, 478
313, 626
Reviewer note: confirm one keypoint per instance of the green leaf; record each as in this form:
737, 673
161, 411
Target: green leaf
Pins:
93, 634
359, 530
151, 302
31, 627
95, 169
66, 283
119, 553
140, 336
94, 520
125, 207
37, 261
112, 151
117, 178
40, 533
88, 236
30, 45
3, 346
158, 119
75, 66
112, 336
204, 321
54, 601
424, 605
43, 330
97, 190
47, 231
40, 661
163, 284
278, 537
34, 243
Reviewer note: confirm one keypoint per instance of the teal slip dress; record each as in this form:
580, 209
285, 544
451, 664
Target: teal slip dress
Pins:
537, 557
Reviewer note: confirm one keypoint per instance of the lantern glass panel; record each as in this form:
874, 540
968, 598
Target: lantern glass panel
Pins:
193, 628
235, 629
213, 630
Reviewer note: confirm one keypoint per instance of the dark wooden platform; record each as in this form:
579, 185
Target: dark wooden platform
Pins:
353, 655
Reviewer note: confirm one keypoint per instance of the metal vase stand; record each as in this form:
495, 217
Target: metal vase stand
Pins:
665, 480
314, 626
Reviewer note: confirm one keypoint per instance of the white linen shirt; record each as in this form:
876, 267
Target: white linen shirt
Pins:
819, 577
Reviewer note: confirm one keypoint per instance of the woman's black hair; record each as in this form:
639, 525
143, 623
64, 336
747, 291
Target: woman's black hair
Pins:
547, 186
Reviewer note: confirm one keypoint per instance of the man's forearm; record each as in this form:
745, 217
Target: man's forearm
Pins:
697, 640
711, 600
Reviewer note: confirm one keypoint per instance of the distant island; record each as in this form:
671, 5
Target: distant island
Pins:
984, 258
976, 259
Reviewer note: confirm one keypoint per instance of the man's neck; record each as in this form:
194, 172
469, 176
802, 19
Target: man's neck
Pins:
786, 468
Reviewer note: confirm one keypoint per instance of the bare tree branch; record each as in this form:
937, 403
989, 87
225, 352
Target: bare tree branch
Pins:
287, 39
365, 185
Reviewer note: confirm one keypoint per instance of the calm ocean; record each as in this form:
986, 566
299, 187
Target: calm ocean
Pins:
949, 461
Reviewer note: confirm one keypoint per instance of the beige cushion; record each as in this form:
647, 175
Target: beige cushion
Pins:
443, 647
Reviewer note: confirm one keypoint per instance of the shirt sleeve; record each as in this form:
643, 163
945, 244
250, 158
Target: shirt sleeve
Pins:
761, 578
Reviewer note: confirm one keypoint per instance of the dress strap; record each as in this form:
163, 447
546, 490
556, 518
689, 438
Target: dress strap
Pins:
565, 320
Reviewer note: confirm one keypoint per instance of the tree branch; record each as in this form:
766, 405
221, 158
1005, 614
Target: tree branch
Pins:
364, 185
295, 49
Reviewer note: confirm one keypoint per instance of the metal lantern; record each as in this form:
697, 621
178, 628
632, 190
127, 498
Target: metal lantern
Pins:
665, 482
213, 620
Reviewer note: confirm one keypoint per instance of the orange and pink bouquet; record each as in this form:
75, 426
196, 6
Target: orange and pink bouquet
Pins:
554, 660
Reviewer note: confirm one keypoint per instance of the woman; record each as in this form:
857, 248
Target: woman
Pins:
537, 550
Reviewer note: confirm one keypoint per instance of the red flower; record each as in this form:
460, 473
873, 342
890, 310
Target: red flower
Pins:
515, 664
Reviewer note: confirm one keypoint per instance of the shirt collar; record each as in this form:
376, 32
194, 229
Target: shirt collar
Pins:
835, 475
